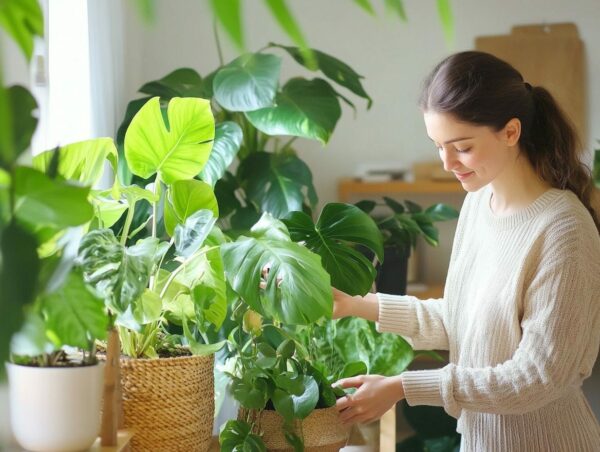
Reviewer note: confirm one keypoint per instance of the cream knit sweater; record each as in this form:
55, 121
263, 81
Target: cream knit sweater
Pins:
521, 320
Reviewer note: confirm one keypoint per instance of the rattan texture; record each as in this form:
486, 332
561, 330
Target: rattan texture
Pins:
169, 403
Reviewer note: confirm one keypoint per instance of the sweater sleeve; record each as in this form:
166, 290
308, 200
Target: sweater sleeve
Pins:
419, 322
558, 347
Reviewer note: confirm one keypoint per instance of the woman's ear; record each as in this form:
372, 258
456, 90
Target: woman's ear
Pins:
511, 132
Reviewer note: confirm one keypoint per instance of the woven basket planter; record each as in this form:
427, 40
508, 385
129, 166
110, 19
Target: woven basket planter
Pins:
322, 431
169, 403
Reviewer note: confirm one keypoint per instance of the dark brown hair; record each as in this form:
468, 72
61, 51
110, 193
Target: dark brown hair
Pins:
479, 88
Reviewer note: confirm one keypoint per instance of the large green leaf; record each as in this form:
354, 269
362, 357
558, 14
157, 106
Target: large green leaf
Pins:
44, 202
334, 69
183, 82
186, 197
228, 138
179, 152
23, 21
303, 293
277, 183
83, 161
304, 108
74, 315
229, 14
22, 104
19, 270
338, 226
247, 83
306, 402
123, 173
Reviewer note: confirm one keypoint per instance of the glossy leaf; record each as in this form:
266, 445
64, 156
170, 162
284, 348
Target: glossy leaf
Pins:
306, 402
334, 69
186, 197
247, 83
23, 21
74, 314
190, 236
338, 226
82, 161
123, 172
235, 436
41, 201
228, 138
179, 152
304, 293
277, 183
304, 108
441, 212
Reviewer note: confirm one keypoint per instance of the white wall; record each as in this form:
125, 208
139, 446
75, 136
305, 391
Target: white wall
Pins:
394, 58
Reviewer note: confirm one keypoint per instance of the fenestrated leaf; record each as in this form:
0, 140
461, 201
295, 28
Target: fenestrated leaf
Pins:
19, 270
190, 236
23, 21
247, 83
229, 15
82, 161
183, 82
123, 173
186, 197
41, 201
228, 138
235, 436
338, 226
304, 108
74, 314
277, 182
177, 153
303, 294
334, 69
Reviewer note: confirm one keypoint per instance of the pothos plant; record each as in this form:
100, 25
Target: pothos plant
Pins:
274, 367
257, 122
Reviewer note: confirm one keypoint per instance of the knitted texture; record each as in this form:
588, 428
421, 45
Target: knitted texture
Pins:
520, 317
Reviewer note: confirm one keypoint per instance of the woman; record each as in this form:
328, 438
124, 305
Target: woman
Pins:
521, 309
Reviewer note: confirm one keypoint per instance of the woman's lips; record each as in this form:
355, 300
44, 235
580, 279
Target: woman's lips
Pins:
463, 176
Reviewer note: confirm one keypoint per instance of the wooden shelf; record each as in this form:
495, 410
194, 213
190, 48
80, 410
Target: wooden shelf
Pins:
349, 187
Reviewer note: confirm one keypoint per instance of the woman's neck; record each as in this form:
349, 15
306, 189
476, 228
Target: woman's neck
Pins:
516, 188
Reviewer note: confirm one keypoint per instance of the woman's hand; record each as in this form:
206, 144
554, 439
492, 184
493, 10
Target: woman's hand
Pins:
375, 395
342, 304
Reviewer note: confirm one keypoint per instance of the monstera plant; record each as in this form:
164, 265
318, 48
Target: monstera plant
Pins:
258, 120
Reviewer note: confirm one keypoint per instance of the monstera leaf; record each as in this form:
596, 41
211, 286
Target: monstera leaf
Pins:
277, 183
247, 83
338, 227
297, 289
177, 151
82, 161
304, 108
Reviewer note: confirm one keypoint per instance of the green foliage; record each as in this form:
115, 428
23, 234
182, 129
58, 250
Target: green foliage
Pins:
23, 21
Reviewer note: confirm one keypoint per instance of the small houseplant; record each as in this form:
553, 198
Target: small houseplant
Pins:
401, 226
283, 389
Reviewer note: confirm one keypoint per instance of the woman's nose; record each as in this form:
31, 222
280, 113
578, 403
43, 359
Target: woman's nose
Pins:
448, 161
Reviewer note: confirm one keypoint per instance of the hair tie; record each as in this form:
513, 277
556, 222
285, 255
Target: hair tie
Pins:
528, 86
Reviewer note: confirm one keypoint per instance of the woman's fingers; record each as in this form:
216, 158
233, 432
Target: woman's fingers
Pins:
352, 382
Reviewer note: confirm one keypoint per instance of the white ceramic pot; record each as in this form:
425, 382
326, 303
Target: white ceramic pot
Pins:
55, 409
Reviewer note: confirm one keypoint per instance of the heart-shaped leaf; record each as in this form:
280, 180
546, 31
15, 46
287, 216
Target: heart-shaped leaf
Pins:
183, 82
184, 198
228, 138
304, 108
277, 183
175, 153
190, 236
338, 226
247, 83
297, 289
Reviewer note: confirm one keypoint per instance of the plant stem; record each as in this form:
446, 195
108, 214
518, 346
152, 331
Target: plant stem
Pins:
155, 205
218, 42
288, 144
127, 225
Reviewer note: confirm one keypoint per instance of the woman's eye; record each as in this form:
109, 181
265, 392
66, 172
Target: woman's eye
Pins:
463, 150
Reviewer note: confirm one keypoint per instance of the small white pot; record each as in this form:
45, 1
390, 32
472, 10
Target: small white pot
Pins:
53, 408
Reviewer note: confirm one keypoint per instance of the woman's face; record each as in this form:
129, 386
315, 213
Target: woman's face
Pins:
475, 154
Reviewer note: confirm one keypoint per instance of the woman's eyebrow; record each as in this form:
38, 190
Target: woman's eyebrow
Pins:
453, 140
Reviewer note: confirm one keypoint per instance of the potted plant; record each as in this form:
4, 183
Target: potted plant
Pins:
401, 226
286, 397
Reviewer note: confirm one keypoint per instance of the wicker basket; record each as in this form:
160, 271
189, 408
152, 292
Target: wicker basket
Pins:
169, 403
322, 431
